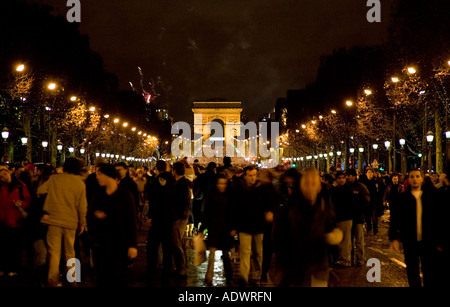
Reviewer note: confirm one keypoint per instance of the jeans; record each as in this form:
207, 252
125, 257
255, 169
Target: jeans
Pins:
345, 247
55, 235
358, 243
178, 246
247, 243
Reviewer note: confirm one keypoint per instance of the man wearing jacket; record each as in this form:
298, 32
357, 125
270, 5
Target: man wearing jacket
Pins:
375, 209
112, 228
180, 214
66, 206
249, 221
341, 198
360, 202
14, 200
160, 195
414, 223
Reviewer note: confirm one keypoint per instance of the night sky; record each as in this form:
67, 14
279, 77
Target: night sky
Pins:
242, 50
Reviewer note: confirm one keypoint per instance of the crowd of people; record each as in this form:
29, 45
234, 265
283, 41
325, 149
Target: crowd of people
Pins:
287, 225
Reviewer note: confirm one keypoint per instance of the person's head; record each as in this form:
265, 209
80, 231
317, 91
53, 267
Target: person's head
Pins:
106, 175
221, 183
351, 175
369, 173
122, 169
415, 178
25, 162
99, 162
327, 179
73, 166
39, 169
340, 178
211, 167
161, 166
434, 178
310, 184
394, 178
18, 168
290, 179
250, 175
179, 168
5, 174
139, 173
226, 160
47, 171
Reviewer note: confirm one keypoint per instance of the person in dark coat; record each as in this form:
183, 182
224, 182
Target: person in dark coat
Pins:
127, 183
160, 196
181, 210
415, 223
112, 228
341, 198
202, 184
303, 229
249, 222
216, 220
392, 192
360, 202
375, 209
270, 200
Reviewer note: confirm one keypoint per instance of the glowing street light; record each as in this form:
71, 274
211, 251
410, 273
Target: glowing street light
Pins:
368, 92
45, 144
402, 142
430, 137
59, 147
375, 146
106, 116
349, 103
73, 98
333, 111
133, 129
51, 86
394, 79
361, 149
125, 124
116, 120
304, 126
71, 149
411, 70
97, 154
352, 150
20, 68
92, 109
313, 122
140, 132
24, 140
387, 144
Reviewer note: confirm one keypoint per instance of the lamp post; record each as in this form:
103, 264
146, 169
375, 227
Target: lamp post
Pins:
71, 150
44, 152
360, 152
24, 141
447, 148
352, 158
387, 144
430, 138
403, 155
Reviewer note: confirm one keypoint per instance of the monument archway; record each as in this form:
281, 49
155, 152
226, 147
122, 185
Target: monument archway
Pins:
226, 112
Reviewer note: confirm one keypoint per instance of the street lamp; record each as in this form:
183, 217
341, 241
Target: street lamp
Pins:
45, 144
51, 86
5, 133
411, 70
430, 138
20, 68
367, 92
97, 154
352, 150
24, 140
73, 98
375, 146
403, 155
82, 150
59, 147
394, 79
361, 149
71, 150
349, 103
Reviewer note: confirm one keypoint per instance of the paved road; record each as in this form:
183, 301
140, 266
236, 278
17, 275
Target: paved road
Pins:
393, 273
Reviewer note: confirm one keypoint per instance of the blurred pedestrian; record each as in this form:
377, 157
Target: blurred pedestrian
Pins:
360, 203
216, 220
14, 201
249, 222
112, 228
181, 212
302, 231
341, 198
160, 196
375, 209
